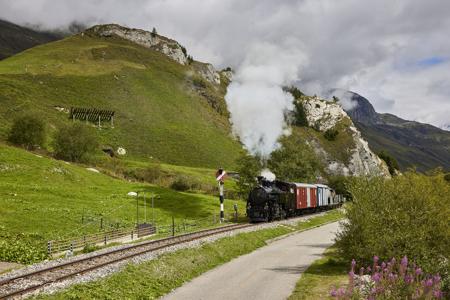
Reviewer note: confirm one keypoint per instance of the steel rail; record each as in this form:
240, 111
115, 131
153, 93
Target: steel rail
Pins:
159, 244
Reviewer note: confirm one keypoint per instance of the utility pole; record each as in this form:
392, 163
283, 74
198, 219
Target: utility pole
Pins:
221, 201
145, 210
220, 177
153, 210
137, 210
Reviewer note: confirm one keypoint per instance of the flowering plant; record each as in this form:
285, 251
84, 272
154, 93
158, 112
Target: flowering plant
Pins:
389, 280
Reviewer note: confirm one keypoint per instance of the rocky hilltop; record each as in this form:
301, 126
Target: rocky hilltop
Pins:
154, 41
326, 115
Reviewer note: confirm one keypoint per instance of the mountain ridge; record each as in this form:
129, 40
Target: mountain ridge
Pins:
412, 143
15, 38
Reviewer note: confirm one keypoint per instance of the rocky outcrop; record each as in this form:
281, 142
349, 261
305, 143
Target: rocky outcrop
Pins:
323, 115
208, 72
144, 38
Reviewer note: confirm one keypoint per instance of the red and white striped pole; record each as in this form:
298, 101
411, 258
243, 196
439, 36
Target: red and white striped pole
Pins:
220, 177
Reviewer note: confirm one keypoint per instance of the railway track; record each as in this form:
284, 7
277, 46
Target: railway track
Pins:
23, 284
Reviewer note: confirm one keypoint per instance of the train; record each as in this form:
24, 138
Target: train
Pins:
275, 200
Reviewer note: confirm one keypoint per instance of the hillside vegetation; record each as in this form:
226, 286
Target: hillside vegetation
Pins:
160, 112
43, 199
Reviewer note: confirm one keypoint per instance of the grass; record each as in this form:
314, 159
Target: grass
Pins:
320, 278
43, 199
158, 114
330, 216
157, 277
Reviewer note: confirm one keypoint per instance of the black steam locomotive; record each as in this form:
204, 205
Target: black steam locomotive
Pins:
272, 200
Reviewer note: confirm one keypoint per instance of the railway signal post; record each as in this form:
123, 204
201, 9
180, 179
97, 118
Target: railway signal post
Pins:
220, 177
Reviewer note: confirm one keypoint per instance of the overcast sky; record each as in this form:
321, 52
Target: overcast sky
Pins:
395, 53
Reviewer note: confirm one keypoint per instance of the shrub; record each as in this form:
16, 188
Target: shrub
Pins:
340, 185
150, 174
447, 177
331, 134
28, 131
390, 161
75, 142
199, 82
389, 280
183, 183
405, 215
90, 248
15, 250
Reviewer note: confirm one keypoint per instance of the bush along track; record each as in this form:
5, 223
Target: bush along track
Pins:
156, 278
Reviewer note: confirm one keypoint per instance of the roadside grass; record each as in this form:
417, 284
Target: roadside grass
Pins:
158, 277
330, 216
43, 199
320, 278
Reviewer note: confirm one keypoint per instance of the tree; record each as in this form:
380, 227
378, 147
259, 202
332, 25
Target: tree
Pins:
390, 161
28, 131
447, 177
75, 142
340, 185
249, 167
331, 134
299, 113
295, 161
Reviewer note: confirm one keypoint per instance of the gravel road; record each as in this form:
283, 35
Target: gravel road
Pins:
270, 272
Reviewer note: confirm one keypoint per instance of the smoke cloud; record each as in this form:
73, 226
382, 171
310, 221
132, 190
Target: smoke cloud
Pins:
267, 174
256, 99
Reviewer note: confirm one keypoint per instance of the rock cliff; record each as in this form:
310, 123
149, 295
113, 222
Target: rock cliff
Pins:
144, 38
324, 115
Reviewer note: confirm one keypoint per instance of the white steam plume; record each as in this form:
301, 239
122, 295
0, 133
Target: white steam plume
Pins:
267, 174
256, 99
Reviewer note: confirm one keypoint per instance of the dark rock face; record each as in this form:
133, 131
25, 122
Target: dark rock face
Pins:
363, 112
413, 144
15, 39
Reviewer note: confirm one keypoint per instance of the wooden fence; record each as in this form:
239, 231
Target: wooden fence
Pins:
56, 246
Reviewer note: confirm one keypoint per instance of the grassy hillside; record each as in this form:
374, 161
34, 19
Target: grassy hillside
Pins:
158, 112
42, 199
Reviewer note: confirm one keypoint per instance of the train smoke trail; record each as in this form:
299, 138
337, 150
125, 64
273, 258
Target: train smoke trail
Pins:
256, 99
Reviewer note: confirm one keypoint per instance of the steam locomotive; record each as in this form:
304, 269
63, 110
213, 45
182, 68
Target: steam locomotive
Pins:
272, 200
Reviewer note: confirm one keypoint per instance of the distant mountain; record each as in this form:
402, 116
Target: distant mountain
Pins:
411, 143
15, 38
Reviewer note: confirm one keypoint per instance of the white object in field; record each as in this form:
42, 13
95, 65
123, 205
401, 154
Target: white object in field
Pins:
132, 194
121, 151
93, 170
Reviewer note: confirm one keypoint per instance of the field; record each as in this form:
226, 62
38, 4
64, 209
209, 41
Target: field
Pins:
43, 199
